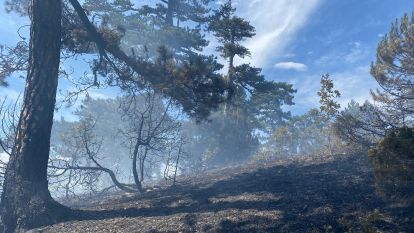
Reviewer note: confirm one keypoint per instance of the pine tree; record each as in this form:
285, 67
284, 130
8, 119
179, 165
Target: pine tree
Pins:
327, 97
194, 85
175, 24
26, 201
329, 106
230, 30
394, 72
255, 103
393, 156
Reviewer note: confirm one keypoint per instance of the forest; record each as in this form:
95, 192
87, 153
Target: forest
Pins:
154, 116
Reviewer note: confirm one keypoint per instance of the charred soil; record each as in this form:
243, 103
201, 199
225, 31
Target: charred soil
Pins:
296, 196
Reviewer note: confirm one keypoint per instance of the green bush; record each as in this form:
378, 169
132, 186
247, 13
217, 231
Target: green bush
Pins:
393, 161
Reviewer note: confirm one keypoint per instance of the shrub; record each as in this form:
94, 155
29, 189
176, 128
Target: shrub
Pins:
393, 161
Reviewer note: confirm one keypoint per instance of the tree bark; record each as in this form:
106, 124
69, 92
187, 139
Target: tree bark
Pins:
26, 201
137, 181
169, 18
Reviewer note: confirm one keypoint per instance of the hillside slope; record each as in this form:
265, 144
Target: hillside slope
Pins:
334, 196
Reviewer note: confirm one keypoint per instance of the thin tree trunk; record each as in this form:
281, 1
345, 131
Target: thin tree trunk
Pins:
67, 186
177, 161
26, 201
134, 167
142, 164
135, 156
231, 67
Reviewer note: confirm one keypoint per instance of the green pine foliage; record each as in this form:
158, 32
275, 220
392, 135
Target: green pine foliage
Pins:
230, 30
393, 70
393, 157
327, 96
255, 106
393, 161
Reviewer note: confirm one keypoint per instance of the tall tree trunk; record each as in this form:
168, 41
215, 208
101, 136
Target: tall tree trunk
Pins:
26, 201
169, 17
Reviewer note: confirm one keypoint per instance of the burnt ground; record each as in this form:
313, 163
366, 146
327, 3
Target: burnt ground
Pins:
296, 196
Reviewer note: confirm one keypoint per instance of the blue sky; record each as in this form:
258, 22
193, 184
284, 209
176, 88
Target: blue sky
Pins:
313, 37
297, 41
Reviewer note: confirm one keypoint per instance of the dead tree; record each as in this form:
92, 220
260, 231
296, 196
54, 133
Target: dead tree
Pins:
64, 172
151, 129
78, 162
8, 122
75, 165
175, 155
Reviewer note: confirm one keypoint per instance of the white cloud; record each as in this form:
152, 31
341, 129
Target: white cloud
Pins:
276, 22
357, 53
291, 66
354, 54
328, 59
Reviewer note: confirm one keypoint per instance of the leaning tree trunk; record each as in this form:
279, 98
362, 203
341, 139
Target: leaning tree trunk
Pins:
26, 201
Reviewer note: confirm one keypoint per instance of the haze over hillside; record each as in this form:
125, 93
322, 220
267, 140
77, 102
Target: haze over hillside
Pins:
206, 116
